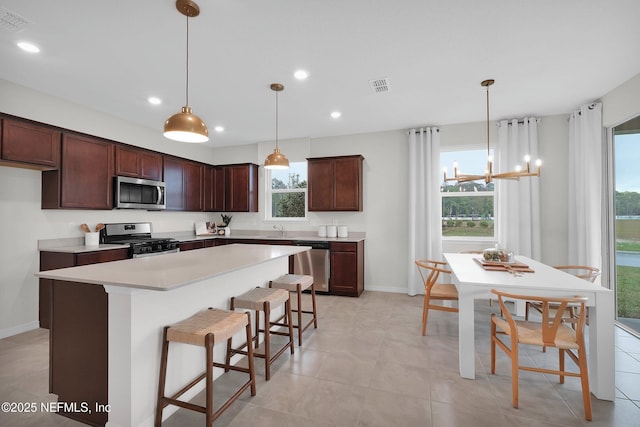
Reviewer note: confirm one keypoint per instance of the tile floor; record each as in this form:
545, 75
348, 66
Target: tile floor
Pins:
368, 365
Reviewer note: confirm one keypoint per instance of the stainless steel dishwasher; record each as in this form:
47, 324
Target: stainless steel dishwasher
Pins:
314, 262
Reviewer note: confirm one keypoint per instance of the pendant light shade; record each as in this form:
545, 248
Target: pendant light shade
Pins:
276, 160
186, 126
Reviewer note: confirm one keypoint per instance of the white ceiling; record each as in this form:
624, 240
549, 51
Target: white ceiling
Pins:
547, 57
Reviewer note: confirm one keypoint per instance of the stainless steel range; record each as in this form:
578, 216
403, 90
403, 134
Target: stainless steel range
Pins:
138, 236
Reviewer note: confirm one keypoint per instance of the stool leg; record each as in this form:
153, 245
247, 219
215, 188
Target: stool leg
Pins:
313, 301
227, 360
299, 293
208, 342
163, 377
267, 339
252, 372
287, 306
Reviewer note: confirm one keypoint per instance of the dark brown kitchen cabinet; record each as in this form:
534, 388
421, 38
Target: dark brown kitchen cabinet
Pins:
214, 189
192, 244
184, 184
347, 268
138, 163
85, 177
335, 183
241, 188
54, 260
25, 144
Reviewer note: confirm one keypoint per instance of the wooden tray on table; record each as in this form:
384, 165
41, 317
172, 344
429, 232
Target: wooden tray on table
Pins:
516, 266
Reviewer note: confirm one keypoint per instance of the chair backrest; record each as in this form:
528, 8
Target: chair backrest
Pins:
582, 271
430, 271
552, 312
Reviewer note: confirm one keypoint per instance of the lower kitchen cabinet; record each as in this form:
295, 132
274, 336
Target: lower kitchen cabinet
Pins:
55, 260
192, 244
347, 268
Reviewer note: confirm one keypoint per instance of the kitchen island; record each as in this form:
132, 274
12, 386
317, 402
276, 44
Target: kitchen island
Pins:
107, 322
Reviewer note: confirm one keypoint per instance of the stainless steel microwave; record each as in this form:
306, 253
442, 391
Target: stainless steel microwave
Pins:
136, 193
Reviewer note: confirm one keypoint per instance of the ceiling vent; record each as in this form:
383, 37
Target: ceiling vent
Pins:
379, 85
11, 21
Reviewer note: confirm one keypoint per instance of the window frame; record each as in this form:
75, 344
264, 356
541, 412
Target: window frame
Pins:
268, 198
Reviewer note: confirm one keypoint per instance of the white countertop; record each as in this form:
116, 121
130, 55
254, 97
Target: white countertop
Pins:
170, 271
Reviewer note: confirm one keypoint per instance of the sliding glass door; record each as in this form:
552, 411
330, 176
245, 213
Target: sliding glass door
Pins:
626, 146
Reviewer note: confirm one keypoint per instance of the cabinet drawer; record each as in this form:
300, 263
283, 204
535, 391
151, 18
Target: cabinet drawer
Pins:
343, 246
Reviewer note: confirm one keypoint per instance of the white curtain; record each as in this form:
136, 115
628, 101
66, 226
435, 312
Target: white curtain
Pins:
518, 202
585, 186
425, 209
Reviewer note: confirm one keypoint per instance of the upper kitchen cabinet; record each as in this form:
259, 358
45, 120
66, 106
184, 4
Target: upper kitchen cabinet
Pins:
184, 184
335, 183
138, 163
241, 188
85, 177
29, 145
214, 188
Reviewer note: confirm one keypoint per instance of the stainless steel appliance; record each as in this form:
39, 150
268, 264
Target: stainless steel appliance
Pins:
314, 262
138, 236
136, 193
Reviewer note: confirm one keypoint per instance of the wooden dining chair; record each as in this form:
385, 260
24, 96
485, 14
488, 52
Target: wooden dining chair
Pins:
551, 332
430, 272
571, 311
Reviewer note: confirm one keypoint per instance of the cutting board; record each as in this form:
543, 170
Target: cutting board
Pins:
504, 266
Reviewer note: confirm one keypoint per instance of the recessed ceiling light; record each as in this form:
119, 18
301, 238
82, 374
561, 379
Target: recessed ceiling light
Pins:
336, 114
28, 47
154, 100
219, 128
301, 74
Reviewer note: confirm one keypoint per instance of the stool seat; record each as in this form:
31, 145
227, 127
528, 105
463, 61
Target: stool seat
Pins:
264, 300
223, 324
298, 283
255, 298
205, 329
290, 282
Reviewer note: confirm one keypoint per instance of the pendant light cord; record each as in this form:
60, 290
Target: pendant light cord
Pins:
488, 121
187, 86
276, 119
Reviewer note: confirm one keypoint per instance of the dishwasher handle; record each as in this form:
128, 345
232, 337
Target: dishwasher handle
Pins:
315, 244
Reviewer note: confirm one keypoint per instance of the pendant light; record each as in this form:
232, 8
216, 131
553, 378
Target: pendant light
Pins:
488, 174
186, 126
276, 160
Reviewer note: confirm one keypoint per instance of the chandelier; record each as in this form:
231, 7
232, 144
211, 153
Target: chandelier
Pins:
489, 175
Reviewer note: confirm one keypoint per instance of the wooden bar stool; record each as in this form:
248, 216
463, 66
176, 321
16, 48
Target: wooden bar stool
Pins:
263, 300
206, 329
298, 283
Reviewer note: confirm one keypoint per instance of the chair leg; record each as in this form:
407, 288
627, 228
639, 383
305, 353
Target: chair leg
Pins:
584, 379
513, 353
493, 347
227, 358
287, 306
163, 376
267, 338
425, 313
561, 364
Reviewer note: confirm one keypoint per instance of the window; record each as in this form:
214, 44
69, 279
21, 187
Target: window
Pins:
286, 192
467, 208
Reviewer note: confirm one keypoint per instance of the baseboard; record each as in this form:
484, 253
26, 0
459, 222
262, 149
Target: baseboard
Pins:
391, 289
15, 330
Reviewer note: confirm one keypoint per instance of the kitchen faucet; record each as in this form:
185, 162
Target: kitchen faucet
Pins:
279, 227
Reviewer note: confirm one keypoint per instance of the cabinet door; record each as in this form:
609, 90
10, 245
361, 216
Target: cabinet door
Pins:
30, 144
86, 173
193, 186
174, 182
241, 192
127, 161
151, 165
183, 181
320, 179
191, 245
347, 268
348, 184
213, 189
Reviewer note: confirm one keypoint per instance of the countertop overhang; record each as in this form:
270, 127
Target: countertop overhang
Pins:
170, 271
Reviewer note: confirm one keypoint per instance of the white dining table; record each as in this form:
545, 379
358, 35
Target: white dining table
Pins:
474, 282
